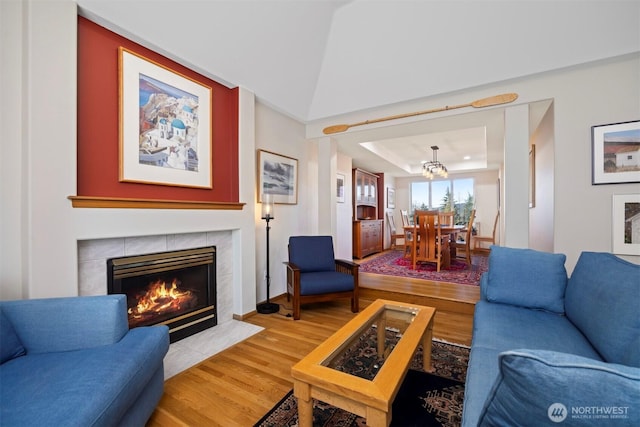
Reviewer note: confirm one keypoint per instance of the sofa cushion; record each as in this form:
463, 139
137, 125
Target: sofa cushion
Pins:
538, 387
91, 387
10, 344
602, 300
501, 327
526, 278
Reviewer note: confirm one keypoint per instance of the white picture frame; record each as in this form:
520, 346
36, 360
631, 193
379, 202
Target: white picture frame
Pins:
626, 224
168, 140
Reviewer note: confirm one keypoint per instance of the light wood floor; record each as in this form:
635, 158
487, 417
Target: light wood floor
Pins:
239, 385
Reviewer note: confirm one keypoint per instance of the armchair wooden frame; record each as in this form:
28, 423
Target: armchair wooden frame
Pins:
293, 287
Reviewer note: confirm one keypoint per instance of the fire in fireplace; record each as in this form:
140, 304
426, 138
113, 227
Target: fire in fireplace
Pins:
176, 288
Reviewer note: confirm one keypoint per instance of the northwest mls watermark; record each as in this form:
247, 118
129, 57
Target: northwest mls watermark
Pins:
558, 412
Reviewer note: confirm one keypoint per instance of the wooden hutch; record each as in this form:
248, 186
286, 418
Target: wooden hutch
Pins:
367, 228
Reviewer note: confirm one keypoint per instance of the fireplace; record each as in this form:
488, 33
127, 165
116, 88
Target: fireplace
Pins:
176, 288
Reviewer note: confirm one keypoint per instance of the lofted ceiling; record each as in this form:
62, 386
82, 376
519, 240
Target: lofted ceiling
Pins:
316, 59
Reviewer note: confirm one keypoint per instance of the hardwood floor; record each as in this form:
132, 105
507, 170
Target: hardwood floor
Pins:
239, 385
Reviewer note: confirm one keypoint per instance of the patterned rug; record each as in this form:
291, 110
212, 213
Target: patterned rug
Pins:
423, 400
393, 263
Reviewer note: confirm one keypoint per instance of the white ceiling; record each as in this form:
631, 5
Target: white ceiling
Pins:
314, 59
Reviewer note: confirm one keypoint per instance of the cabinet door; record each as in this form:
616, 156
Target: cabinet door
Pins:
360, 187
373, 191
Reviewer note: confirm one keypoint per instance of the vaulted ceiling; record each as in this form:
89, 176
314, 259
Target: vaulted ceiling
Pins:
314, 59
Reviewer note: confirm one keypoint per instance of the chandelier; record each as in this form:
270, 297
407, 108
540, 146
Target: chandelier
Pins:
434, 167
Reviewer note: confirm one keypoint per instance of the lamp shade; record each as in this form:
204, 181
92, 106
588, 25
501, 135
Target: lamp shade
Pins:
267, 206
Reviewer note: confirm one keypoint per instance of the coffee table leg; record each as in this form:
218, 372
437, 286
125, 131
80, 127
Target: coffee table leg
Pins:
377, 418
302, 391
426, 347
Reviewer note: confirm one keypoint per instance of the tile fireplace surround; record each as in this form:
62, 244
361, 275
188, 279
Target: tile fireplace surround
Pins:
92, 280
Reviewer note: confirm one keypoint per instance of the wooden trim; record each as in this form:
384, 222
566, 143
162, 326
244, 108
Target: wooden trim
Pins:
124, 203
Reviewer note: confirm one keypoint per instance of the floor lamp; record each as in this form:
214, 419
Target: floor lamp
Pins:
267, 214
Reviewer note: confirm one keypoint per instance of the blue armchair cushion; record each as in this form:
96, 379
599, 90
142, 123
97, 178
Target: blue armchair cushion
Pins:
539, 387
312, 253
526, 278
603, 300
324, 282
10, 344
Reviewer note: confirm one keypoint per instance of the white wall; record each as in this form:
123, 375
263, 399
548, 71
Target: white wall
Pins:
280, 134
541, 226
344, 212
40, 228
592, 94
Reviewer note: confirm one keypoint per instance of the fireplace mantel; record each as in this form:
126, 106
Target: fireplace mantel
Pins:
124, 203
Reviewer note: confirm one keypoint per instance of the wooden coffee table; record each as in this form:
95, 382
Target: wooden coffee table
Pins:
316, 376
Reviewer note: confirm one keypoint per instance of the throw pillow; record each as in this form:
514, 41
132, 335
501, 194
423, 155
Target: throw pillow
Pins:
602, 300
10, 345
526, 278
539, 387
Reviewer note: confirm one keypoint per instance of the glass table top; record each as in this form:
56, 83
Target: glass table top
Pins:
366, 350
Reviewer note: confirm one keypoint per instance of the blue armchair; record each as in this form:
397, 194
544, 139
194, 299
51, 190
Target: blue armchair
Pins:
314, 275
74, 362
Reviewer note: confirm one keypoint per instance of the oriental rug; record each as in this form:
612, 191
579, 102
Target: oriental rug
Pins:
424, 399
393, 263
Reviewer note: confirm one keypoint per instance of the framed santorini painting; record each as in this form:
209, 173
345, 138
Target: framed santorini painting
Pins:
626, 224
165, 125
278, 176
616, 153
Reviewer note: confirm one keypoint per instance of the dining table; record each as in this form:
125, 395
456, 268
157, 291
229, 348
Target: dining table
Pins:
452, 231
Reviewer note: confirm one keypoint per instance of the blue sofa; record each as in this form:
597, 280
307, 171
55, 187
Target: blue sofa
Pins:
74, 362
548, 350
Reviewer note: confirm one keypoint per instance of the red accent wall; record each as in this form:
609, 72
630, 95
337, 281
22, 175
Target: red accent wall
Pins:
98, 144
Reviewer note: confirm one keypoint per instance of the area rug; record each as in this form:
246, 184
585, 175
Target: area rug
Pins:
393, 263
424, 399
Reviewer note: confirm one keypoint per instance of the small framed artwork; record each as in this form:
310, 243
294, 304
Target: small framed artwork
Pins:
165, 125
616, 153
340, 179
278, 176
626, 224
391, 198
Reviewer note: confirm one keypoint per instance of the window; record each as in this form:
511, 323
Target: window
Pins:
444, 195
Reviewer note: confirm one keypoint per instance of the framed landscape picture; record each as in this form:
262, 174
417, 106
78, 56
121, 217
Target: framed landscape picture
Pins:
616, 153
340, 179
391, 198
165, 125
626, 224
278, 176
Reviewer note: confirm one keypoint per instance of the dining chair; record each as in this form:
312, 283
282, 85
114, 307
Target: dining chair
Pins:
466, 244
394, 232
446, 218
314, 275
405, 218
408, 233
477, 240
428, 245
